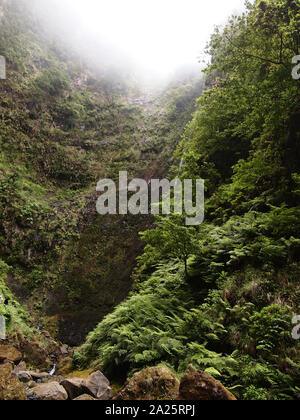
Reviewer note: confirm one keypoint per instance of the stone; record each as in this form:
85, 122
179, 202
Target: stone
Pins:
52, 391
155, 383
31, 384
24, 377
36, 355
84, 397
196, 385
20, 368
74, 387
64, 350
10, 353
11, 389
98, 386
39, 376
65, 366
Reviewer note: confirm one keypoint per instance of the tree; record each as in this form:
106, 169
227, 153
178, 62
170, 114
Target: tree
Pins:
170, 239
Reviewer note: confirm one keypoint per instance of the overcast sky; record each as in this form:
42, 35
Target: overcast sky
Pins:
157, 35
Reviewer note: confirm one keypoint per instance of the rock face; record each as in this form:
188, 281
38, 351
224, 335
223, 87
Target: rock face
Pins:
52, 391
10, 353
98, 386
11, 389
199, 386
156, 383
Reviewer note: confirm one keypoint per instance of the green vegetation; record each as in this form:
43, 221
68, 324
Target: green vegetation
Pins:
232, 314
220, 296
18, 322
64, 126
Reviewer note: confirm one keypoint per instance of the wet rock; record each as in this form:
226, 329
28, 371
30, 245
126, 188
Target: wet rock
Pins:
11, 389
199, 386
52, 391
10, 353
98, 386
156, 383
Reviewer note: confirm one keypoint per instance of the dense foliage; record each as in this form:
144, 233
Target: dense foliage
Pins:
65, 124
230, 311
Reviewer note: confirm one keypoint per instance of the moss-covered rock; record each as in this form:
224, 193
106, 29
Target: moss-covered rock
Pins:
11, 389
155, 383
199, 386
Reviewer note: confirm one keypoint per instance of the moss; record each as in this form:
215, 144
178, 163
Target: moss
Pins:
11, 389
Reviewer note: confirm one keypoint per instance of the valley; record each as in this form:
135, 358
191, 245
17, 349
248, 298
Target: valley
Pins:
126, 303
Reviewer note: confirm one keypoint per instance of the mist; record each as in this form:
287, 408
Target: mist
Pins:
151, 38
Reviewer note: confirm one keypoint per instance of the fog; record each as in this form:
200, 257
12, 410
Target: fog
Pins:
155, 37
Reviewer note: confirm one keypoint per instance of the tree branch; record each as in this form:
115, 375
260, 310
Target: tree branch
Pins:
266, 60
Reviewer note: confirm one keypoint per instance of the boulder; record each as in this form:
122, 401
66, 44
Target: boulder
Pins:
98, 386
74, 387
11, 389
64, 350
10, 353
155, 383
85, 397
36, 355
65, 366
52, 391
40, 376
199, 386
20, 368
31, 384
24, 377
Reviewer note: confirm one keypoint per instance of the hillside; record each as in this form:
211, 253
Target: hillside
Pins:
137, 295
231, 315
64, 126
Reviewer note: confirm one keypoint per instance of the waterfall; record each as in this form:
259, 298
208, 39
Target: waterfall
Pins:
53, 370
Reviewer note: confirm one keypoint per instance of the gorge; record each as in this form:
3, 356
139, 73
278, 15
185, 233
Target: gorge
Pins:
145, 299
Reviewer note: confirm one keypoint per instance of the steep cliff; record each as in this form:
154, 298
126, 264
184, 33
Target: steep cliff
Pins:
64, 125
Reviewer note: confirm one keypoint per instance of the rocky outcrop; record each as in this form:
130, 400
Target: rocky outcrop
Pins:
156, 383
52, 391
199, 386
10, 353
11, 389
43, 386
24, 377
40, 376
